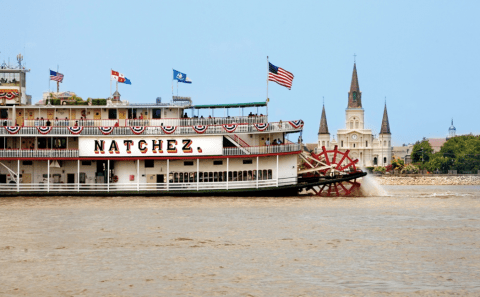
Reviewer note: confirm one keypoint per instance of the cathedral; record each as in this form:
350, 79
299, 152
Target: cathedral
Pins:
361, 143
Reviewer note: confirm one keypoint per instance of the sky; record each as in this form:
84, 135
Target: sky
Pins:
420, 57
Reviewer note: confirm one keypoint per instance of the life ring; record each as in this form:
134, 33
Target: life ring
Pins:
115, 178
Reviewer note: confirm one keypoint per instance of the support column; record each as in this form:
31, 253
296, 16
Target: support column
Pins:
198, 173
108, 175
18, 175
256, 175
277, 171
48, 175
168, 173
78, 175
228, 171
138, 175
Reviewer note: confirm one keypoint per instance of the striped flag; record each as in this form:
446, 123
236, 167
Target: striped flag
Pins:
56, 76
280, 76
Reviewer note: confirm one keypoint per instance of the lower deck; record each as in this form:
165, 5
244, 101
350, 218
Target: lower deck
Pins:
150, 175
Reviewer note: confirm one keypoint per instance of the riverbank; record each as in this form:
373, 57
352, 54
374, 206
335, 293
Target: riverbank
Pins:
428, 180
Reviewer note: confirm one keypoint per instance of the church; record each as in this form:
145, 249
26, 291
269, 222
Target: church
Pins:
369, 150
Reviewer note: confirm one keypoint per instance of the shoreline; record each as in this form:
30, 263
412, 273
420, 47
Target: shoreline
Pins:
459, 180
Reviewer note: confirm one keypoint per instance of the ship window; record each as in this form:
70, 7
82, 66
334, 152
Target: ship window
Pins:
132, 113
270, 174
156, 113
175, 177
240, 176
185, 177
4, 114
235, 176
218, 162
230, 176
247, 161
260, 175
27, 163
188, 163
210, 177
149, 163
200, 177
205, 177
112, 114
86, 163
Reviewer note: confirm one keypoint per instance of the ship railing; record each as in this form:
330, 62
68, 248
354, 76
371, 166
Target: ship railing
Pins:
196, 121
70, 123
7, 122
38, 153
157, 130
261, 150
50, 186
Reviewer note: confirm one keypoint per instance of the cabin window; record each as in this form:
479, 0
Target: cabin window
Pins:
210, 177
4, 114
132, 113
185, 177
149, 164
247, 161
27, 163
156, 113
188, 163
218, 162
86, 163
112, 114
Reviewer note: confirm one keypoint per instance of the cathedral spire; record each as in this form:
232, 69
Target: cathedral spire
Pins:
354, 96
323, 123
385, 129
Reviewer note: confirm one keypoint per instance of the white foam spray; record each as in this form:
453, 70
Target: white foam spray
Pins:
370, 187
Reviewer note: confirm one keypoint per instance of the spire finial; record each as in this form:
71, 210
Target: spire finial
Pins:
385, 100
354, 58
324, 102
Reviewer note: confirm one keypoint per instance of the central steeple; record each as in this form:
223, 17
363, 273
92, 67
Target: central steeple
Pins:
354, 96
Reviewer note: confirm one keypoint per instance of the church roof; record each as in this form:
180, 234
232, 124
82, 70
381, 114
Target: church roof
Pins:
323, 123
385, 129
354, 96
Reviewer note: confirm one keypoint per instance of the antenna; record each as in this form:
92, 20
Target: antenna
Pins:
19, 60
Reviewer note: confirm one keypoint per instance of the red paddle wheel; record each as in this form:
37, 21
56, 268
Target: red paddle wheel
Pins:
331, 165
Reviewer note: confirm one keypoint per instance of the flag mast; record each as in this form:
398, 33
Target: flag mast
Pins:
58, 83
110, 82
268, 70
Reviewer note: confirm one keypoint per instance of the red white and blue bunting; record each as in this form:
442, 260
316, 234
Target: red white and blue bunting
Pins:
137, 130
296, 124
169, 129
200, 129
75, 130
106, 130
44, 129
261, 126
13, 129
8, 94
230, 127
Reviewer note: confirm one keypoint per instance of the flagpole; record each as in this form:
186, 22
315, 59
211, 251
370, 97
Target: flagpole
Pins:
58, 83
172, 83
49, 81
177, 88
268, 70
110, 82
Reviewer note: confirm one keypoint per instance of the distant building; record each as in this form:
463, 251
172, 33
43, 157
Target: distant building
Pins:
370, 151
436, 143
402, 152
452, 131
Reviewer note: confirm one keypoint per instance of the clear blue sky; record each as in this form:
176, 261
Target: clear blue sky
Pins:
424, 56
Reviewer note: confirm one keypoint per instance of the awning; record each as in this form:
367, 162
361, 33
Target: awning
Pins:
231, 105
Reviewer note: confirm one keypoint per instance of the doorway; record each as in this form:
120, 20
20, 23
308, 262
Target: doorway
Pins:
71, 178
160, 178
3, 178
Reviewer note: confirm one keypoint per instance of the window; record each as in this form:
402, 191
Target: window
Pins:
341, 143
247, 162
354, 145
366, 143
86, 163
156, 113
219, 162
384, 143
323, 143
112, 114
188, 163
351, 124
356, 124
375, 161
270, 173
149, 164
384, 159
27, 162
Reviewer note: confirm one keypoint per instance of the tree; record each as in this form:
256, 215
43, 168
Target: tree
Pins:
464, 151
422, 151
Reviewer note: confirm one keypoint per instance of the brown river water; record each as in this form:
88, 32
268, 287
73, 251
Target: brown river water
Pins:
413, 241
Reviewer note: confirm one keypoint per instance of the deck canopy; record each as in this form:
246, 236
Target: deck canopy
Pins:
230, 105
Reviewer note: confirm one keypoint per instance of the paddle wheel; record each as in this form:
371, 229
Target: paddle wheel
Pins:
333, 167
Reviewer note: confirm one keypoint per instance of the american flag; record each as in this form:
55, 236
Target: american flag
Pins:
56, 76
280, 76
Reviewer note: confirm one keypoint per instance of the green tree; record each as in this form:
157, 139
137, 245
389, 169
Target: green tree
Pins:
421, 150
464, 151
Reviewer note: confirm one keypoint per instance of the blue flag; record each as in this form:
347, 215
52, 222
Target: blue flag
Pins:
127, 81
181, 77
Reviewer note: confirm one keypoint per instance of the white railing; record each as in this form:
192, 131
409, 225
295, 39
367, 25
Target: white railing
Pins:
38, 153
259, 150
156, 130
137, 187
6, 122
70, 123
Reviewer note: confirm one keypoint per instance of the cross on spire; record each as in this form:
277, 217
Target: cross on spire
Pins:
354, 58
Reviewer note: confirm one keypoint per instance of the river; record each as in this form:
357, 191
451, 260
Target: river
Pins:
414, 241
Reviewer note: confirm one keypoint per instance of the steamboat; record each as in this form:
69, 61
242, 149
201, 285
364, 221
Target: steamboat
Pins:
64, 145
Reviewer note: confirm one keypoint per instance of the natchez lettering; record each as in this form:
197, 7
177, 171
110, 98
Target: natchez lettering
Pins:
156, 147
